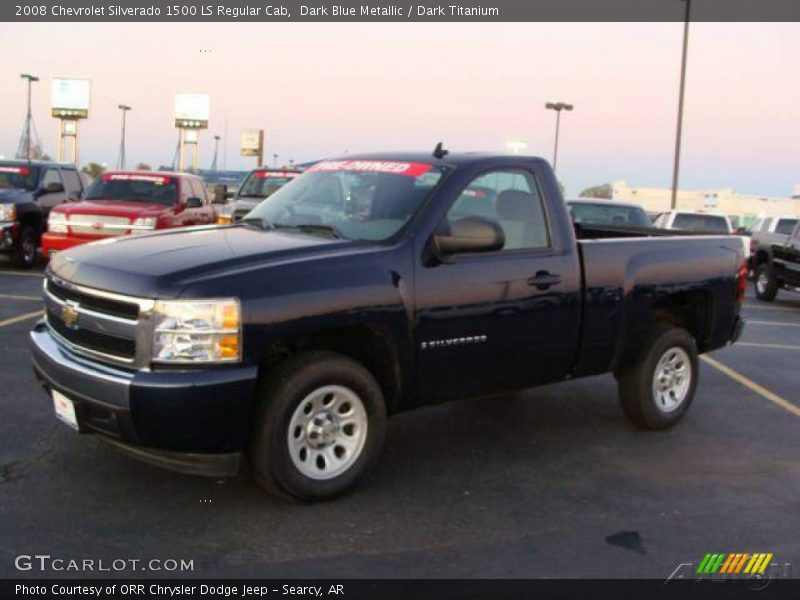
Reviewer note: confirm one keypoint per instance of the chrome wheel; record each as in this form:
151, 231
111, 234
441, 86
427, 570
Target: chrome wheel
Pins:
762, 282
327, 432
672, 379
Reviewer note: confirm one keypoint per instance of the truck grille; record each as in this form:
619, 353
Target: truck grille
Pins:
98, 324
98, 224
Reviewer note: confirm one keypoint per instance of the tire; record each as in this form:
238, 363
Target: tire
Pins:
667, 352
24, 253
316, 404
766, 285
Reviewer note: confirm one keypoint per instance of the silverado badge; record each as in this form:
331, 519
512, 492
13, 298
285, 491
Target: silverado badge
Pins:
69, 314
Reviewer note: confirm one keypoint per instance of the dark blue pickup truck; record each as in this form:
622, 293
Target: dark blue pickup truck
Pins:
367, 286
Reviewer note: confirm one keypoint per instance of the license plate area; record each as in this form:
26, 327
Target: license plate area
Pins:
65, 410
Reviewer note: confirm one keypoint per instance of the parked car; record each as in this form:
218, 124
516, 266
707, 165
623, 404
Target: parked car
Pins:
694, 221
599, 211
29, 190
259, 185
371, 285
127, 202
783, 225
775, 260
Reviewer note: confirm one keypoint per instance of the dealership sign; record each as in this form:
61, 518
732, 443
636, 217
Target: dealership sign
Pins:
70, 98
192, 111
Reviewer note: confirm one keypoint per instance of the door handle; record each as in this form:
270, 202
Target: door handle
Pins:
544, 279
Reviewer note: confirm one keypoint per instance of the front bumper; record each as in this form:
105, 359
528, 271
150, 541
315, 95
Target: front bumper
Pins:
192, 421
56, 242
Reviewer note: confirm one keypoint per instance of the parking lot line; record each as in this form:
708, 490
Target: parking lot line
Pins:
21, 274
15, 297
19, 318
779, 323
776, 346
763, 307
752, 386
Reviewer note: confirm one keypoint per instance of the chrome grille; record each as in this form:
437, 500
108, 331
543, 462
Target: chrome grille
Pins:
101, 325
98, 224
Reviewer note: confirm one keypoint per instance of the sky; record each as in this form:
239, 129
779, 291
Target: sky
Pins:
322, 89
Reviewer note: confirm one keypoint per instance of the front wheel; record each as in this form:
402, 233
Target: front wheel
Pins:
319, 427
766, 285
25, 252
657, 389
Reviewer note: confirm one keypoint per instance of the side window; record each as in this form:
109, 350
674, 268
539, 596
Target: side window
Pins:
198, 190
185, 184
511, 198
72, 182
50, 176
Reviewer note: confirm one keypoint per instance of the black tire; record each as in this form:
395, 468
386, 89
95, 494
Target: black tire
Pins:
636, 381
766, 284
24, 253
280, 395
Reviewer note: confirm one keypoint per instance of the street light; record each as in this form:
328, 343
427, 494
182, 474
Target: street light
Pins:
29, 118
679, 134
275, 160
558, 107
216, 150
124, 108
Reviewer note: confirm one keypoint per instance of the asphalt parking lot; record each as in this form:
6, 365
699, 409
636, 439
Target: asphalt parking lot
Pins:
552, 482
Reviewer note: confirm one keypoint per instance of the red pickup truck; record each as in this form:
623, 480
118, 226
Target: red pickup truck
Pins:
126, 202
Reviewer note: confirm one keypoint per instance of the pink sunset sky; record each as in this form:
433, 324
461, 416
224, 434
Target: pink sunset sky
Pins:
321, 89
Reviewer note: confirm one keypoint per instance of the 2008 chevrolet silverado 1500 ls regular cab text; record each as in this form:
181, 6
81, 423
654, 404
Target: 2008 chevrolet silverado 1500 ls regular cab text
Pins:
368, 286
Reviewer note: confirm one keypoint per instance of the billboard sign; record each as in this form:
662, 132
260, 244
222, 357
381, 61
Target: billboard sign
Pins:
252, 142
192, 111
70, 98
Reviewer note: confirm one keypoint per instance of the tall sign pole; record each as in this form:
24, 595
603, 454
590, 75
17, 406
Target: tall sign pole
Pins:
192, 112
677, 163
70, 104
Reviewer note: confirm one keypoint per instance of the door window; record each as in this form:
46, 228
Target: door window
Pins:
72, 182
511, 199
50, 176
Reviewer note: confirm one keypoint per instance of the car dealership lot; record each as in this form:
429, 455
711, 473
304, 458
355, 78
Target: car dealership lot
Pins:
553, 482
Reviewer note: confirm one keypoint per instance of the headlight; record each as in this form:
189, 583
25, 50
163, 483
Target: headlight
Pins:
8, 212
57, 222
197, 331
144, 224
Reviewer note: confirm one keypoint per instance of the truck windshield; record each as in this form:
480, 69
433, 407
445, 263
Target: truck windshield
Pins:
134, 188
357, 199
589, 213
699, 222
17, 177
262, 184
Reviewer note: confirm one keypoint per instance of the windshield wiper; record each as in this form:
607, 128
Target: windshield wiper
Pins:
257, 222
250, 196
312, 228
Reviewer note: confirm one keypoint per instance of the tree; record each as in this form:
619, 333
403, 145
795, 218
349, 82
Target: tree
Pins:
143, 167
598, 191
93, 170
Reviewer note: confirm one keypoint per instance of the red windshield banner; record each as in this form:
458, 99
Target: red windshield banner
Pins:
373, 166
18, 170
281, 174
136, 177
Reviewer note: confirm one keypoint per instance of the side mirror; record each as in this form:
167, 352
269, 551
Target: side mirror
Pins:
229, 194
220, 193
54, 188
194, 202
470, 234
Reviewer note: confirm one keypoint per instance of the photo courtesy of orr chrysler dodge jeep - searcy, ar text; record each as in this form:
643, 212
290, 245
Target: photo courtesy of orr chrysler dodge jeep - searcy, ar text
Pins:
367, 286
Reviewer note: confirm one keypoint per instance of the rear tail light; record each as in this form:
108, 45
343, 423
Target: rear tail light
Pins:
741, 283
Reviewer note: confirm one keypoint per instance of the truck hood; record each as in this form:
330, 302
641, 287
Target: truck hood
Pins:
113, 208
161, 265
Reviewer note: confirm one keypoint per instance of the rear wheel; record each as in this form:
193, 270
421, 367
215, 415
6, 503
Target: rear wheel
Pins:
24, 254
766, 285
657, 389
319, 427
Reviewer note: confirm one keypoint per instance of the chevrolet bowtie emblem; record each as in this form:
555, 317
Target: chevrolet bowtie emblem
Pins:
69, 314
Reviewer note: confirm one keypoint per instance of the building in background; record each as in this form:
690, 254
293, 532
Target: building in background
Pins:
742, 208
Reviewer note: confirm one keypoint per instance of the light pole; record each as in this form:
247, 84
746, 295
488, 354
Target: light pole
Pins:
275, 161
29, 117
677, 163
124, 108
558, 107
216, 149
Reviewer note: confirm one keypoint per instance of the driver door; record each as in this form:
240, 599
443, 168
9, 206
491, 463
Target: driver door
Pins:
47, 200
